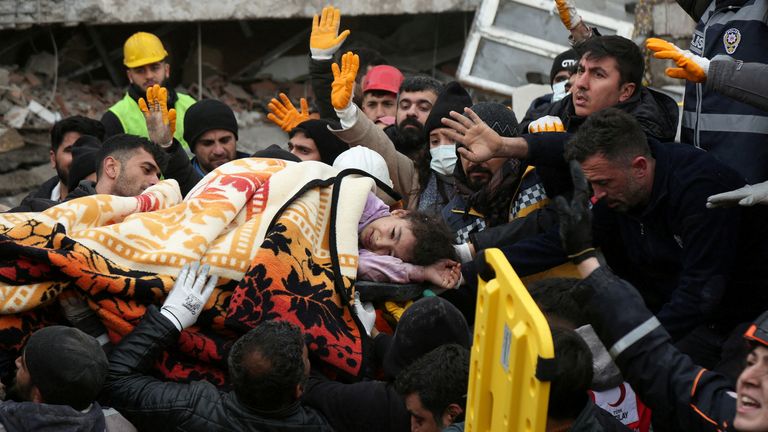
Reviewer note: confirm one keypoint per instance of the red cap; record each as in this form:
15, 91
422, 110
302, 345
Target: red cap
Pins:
383, 77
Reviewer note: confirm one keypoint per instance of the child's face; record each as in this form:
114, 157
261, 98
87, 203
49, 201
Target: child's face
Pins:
389, 235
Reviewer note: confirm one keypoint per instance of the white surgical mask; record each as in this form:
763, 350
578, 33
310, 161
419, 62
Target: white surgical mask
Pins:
443, 159
559, 90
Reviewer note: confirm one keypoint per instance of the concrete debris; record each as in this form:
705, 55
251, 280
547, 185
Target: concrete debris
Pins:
16, 116
10, 139
43, 64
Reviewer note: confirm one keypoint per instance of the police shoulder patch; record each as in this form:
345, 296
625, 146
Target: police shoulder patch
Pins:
731, 40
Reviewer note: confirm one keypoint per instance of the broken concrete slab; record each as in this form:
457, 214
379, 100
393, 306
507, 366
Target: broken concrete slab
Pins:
10, 139
23, 156
42, 63
19, 181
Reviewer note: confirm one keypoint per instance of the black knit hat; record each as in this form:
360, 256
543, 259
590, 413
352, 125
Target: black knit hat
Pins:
328, 144
453, 98
427, 324
66, 365
500, 118
276, 152
85, 152
205, 115
564, 61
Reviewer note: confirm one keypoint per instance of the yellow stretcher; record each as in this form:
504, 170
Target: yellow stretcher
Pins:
512, 346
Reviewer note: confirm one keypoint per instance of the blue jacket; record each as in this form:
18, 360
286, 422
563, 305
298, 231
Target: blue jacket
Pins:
735, 132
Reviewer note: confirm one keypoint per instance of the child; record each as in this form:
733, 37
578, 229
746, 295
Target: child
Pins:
403, 247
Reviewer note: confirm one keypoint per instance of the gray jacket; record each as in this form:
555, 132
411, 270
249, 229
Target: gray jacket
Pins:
745, 82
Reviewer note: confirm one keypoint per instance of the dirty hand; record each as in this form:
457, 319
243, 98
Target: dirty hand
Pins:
325, 39
444, 273
479, 141
344, 80
161, 122
748, 195
188, 295
285, 115
576, 219
365, 312
690, 66
546, 124
568, 13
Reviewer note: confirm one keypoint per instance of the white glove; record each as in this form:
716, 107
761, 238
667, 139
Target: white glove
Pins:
546, 124
748, 195
463, 252
365, 313
568, 13
188, 295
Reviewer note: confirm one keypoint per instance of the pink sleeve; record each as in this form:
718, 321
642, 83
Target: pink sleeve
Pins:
382, 268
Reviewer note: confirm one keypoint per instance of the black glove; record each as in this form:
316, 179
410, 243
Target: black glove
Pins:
576, 219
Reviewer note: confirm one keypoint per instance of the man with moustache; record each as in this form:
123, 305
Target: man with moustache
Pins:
416, 98
145, 60
496, 191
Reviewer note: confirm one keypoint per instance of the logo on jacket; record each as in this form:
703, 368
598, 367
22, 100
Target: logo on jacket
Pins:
731, 40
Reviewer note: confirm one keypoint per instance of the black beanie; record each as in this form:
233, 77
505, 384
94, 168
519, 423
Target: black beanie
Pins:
564, 61
66, 365
328, 144
276, 152
498, 117
453, 97
84, 153
427, 324
205, 115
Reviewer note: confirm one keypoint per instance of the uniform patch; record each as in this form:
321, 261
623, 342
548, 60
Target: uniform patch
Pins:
697, 43
731, 40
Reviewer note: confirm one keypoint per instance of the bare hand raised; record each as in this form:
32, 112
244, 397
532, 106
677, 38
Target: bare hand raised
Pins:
479, 141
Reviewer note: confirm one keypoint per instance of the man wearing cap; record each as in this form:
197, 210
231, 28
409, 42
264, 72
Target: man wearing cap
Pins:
59, 375
375, 405
145, 60
669, 382
559, 79
380, 87
210, 129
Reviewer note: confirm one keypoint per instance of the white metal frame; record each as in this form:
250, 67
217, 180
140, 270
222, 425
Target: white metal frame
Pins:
483, 28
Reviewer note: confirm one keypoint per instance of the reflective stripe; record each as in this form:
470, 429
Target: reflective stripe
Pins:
635, 335
727, 122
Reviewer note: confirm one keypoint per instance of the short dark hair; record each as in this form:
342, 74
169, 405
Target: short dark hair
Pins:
626, 53
78, 123
266, 364
123, 146
416, 83
434, 240
553, 297
572, 377
439, 377
611, 133
378, 93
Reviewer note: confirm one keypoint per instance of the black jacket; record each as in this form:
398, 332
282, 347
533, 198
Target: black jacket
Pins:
693, 265
151, 404
665, 379
370, 406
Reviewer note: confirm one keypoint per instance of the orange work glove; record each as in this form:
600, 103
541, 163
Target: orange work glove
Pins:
285, 115
690, 66
546, 124
161, 122
568, 13
344, 80
325, 39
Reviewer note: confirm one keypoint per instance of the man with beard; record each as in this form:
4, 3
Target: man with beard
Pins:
63, 135
126, 166
417, 96
699, 270
496, 191
210, 128
59, 374
145, 60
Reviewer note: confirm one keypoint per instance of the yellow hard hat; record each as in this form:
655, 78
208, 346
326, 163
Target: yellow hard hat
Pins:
143, 48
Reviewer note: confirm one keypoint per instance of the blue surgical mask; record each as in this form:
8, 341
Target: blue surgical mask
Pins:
443, 159
559, 90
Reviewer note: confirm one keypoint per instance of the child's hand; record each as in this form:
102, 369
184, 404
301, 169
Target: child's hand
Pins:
444, 273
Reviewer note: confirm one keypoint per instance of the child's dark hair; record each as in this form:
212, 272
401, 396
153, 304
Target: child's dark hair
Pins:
434, 240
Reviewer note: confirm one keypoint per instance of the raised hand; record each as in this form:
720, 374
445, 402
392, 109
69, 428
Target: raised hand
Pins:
690, 66
344, 80
161, 122
285, 115
325, 39
479, 141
